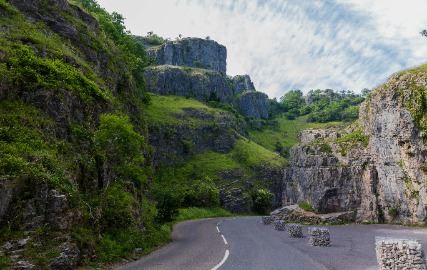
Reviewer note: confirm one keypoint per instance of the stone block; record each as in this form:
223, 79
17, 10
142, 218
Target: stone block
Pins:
319, 236
402, 254
294, 230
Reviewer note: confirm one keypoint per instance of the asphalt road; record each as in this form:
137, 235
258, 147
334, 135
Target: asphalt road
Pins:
244, 243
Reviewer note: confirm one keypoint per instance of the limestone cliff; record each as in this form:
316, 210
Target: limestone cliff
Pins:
196, 68
253, 104
191, 52
201, 84
376, 167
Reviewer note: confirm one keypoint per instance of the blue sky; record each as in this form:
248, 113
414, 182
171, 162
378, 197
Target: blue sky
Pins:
295, 44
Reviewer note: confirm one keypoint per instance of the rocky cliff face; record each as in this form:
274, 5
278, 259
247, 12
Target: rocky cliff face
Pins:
242, 83
173, 143
397, 149
201, 84
253, 104
381, 176
191, 52
195, 68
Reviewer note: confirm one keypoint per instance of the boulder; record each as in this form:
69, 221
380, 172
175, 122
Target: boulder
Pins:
293, 213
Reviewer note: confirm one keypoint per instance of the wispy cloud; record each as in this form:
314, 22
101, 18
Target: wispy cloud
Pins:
289, 44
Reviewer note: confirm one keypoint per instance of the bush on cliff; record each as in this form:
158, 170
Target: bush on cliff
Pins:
262, 200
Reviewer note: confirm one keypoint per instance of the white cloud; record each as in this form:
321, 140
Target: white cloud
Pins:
340, 44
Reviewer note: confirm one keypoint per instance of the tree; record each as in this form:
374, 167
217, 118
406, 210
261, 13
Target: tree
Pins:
292, 102
262, 200
424, 33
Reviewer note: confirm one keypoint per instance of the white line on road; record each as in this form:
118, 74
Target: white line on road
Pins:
217, 229
225, 240
223, 260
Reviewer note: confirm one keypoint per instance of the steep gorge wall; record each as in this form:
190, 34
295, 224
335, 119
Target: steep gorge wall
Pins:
196, 68
383, 180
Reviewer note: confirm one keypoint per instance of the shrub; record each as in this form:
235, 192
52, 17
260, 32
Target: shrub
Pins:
262, 200
202, 193
351, 140
29, 71
117, 208
121, 148
394, 212
169, 200
305, 205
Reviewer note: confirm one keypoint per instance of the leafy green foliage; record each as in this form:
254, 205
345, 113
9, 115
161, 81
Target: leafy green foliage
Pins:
27, 148
321, 105
113, 26
394, 211
117, 208
27, 70
121, 148
120, 243
285, 134
197, 212
416, 103
177, 194
4, 262
350, 140
306, 206
202, 193
292, 103
262, 200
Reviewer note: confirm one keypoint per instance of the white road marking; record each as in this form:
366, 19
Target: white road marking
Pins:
223, 260
217, 229
225, 240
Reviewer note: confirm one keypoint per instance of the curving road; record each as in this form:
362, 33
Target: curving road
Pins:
244, 243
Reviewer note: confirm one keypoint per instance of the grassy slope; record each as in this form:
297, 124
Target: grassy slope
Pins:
164, 109
245, 155
286, 133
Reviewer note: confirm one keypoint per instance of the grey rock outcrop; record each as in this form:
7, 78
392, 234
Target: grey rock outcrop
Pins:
201, 84
382, 180
320, 176
397, 151
293, 213
242, 83
253, 104
191, 52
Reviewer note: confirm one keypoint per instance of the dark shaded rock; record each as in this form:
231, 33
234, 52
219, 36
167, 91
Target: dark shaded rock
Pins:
294, 230
267, 220
68, 259
24, 265
252, 104
235, 200
201, 84
8, 189
279, 225
191, 52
